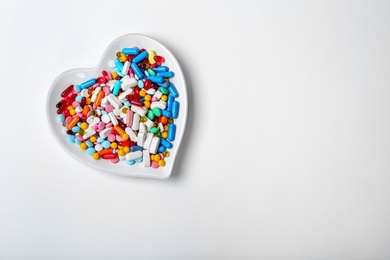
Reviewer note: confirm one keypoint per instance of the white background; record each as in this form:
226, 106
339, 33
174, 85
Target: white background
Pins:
287, 149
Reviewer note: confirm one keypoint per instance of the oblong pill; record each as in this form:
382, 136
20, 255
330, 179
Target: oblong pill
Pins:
171, 132
175, 109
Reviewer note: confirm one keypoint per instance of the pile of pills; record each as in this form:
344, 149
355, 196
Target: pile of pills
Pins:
124, 115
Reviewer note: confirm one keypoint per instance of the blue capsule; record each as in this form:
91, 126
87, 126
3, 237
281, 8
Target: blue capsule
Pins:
160, 68
175, 109
166, 113
156, 79
87, 83
172, 90
165, 84
136, 148
118, 64
161, 149
169, 102
165, 143
137, 70
140, 57
171, 132
130, 51
166, 74
89, 143
116, 88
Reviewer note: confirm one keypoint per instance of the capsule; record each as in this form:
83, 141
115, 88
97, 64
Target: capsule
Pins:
116, 88
166, 74
166, 113
73, 122
137, 70
130, 51
109, 156
169, 103
172, 90
118, 65
67, 91
161, 69
175, 109
156, 79
87, 83
166, 143
140, 57
171, 132
136, 148
99, 98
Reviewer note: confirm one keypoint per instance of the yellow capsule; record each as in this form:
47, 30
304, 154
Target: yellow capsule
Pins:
121, 152
161, 163
92, 139
166, 153
114, 145
84, 125
83, 146
165, 128
72, 112
125, 137
146, 104
126, 149
151, 55
147, 97
96, 156
143, 119
114, 75
164, 135
164, 98
119, 53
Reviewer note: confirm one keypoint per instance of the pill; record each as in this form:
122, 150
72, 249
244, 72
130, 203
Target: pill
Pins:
116, 88
166, 143
87, 84
161, 68
139, 110
146, 158
166, 74
135, 125
105, 132
175, 109
132, 135
154, 145
141, 138
148, 141
130, 51
137, 71
129, 83
114, 101
172, 90
133, 155
171, 132
126, 67
140, 57
156, 79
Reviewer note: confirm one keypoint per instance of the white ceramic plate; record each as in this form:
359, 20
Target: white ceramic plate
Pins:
77, 76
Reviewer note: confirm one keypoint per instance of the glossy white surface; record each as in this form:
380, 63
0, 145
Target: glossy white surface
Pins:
77, 76
286, 153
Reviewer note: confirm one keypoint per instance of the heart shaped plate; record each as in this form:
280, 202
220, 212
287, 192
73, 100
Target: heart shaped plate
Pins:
78, 76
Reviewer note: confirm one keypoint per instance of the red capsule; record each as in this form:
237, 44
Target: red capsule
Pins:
62, 101
70, 98
127, 143
101, 80
109, 156
66, 112
67, 91
62, 108
130, 57
137, 103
